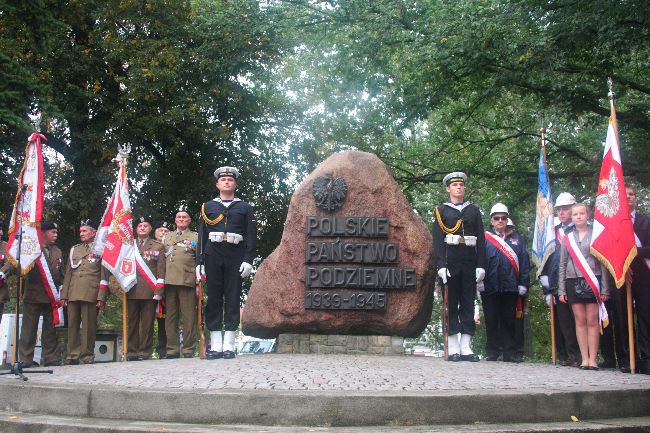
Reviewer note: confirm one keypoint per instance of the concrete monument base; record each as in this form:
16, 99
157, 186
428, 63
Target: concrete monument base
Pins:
340, 344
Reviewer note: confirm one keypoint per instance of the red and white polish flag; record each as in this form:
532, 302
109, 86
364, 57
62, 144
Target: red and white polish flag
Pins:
613, 238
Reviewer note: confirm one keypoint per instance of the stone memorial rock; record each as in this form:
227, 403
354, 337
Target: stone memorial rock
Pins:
354, 258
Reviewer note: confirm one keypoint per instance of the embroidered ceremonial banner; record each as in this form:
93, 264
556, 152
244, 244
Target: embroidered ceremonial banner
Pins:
613, 239
544, 234
505, 249
114, 239
581, 263
28, 208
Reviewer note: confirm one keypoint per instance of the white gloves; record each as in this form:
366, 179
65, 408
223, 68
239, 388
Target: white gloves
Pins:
200, 272
522, 290
480, 274
245, 269
234, 238
443, 273
480, 286
157, 297
543, 280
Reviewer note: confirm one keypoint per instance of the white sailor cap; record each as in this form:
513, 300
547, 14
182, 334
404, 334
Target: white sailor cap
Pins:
226, 171
456, 176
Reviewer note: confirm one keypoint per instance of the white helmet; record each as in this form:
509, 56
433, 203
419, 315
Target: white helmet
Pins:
499, 208
565, 199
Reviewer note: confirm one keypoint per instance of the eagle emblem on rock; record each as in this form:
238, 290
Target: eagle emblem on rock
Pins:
329, 192
608, 202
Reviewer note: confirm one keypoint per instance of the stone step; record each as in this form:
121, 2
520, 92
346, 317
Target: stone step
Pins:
322, 408
17, 422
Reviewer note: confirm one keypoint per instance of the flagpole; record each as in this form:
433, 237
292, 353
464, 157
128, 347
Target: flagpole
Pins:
123, 151
552, 303
628, 285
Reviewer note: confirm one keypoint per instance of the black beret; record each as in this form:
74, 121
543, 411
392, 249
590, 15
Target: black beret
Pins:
162, 224
48, 225
142, 219
88, 222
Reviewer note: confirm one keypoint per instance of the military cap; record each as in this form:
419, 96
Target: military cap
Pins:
164, 224
88, 222
142, 219
48, 225
456, 176
182, 209
226, 171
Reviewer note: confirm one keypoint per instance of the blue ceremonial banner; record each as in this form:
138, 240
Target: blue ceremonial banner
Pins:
544, 237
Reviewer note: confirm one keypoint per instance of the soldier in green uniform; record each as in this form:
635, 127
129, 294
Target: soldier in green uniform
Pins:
36, 302
180, 286
141, 301
4, 290
85, 290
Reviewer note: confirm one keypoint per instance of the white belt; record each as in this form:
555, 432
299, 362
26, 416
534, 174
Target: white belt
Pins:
231, 238
469, 241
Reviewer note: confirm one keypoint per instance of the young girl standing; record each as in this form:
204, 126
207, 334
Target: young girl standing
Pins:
583, 283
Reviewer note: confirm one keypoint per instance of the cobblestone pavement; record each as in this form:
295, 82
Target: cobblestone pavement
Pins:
340, 373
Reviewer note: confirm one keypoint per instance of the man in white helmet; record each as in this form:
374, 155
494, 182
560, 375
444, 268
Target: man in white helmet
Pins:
566, 342
227, 237
506, 279
459, 244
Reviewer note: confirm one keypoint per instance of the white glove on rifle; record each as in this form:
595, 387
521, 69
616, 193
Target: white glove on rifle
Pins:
480, 274
245, 269
443, 273
157, 297
543, 280
522, 290
200, 272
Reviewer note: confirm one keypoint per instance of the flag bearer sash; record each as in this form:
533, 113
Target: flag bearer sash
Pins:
637, 241
505, 249
51, 290
581, 263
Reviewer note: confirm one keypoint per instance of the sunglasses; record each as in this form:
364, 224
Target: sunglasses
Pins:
500, 218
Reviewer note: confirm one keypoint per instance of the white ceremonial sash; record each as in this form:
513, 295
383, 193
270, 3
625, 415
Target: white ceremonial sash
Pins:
637, 241
581, 263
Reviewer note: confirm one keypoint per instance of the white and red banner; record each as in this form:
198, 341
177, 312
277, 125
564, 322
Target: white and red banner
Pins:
505, 249
114, 239
28, 208
581, 263
613, 238
51, 290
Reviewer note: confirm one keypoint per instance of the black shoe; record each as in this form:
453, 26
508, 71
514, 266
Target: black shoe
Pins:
228, 354
607, 364
188, 355
210, 354
625, 369
142, 358
455, 357
491, 358
133, 358
472, 357
171, 356
71, 361
30, 364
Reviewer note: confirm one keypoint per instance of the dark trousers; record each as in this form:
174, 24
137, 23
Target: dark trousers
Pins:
29, 331
461, 288
614, 340
641, 293
224, 292
565, 332
499, 310
161, 348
